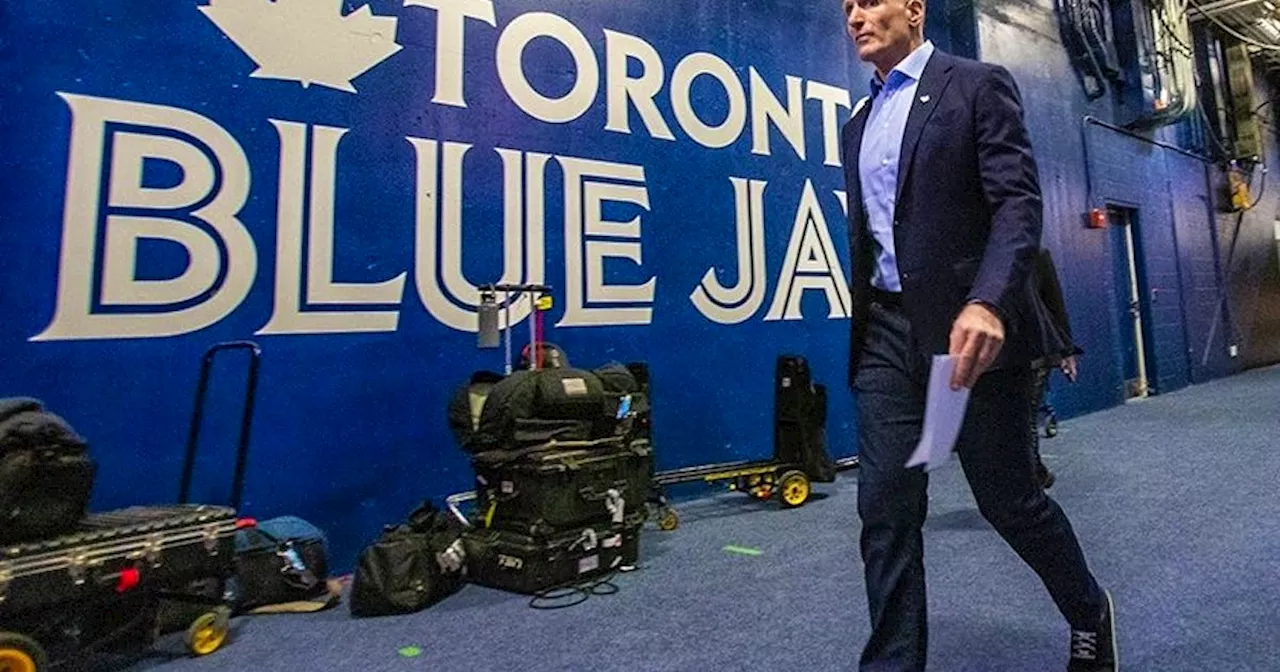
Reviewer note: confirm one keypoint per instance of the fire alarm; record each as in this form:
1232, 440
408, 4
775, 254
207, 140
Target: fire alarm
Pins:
1098, 218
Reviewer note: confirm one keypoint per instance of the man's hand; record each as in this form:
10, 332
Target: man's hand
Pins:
1070, 369
976, 338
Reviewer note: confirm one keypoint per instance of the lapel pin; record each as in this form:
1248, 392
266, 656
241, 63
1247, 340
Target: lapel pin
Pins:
924, 98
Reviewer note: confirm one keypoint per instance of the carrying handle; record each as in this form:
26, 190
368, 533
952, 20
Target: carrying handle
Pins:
535, 316
276, 541
592, 493
522, 289
303, 578
246, 420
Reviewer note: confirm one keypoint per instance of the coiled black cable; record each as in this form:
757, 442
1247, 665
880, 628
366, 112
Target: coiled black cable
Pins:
580, 592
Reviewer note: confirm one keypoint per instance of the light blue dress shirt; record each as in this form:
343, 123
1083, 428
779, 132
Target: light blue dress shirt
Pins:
878, 158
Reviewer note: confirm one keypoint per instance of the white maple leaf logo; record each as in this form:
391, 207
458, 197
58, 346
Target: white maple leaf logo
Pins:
307, 41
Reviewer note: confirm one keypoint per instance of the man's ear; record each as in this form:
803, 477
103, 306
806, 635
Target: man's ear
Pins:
916, 13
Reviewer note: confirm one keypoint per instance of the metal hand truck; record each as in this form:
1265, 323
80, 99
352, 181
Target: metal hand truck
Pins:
103, 584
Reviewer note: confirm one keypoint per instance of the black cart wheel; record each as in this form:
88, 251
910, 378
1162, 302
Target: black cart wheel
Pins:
793, 489
19, 653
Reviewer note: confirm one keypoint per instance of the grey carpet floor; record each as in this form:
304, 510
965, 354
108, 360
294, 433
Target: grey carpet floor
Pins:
1174, 499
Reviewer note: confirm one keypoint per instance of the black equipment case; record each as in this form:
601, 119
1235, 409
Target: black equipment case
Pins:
800, 419
102, 585
140, 547
529, 563
565, 485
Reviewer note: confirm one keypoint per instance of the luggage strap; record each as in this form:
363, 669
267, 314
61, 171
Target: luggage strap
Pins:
293, 567
616, 505
452, 559
499, 457
588, 540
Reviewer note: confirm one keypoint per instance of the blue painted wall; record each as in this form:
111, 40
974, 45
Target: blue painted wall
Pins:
1250, 255
229, 219
118, 265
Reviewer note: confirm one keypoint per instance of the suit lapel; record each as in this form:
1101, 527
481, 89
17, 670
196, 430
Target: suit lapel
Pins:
858, 124
933, 83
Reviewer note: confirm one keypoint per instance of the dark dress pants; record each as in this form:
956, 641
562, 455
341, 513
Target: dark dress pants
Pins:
997, 459
1040, 373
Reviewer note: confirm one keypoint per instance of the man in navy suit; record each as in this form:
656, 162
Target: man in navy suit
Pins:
945, 220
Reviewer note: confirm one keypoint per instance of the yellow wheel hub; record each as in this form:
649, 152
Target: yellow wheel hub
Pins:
12, 660
206, 635
795, 490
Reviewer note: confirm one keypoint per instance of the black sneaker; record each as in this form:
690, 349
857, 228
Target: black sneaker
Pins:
1095, 650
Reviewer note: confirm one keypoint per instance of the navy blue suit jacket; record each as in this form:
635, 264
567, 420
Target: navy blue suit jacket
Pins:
968, 213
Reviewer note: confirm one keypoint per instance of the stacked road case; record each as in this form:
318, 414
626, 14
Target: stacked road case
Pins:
554, 513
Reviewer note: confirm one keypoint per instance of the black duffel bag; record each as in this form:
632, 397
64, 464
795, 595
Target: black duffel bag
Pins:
26, 425
411, 566
534, 407
46, 474
466, 405
628, 383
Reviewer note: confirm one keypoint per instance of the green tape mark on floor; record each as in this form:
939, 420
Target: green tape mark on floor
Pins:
410, 652
742, 550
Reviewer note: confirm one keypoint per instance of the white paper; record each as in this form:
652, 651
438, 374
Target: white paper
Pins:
943, 416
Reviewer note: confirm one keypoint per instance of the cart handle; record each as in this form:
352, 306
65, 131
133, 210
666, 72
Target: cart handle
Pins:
246, 420
454, 500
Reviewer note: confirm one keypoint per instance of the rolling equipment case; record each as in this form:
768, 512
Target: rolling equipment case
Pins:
105, 583
523, 562
564, 485
76, 591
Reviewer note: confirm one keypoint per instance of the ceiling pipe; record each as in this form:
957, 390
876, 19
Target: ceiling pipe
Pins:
1215, 8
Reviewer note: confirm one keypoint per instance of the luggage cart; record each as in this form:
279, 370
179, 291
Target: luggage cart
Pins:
762, 479
747, 476
103, 584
